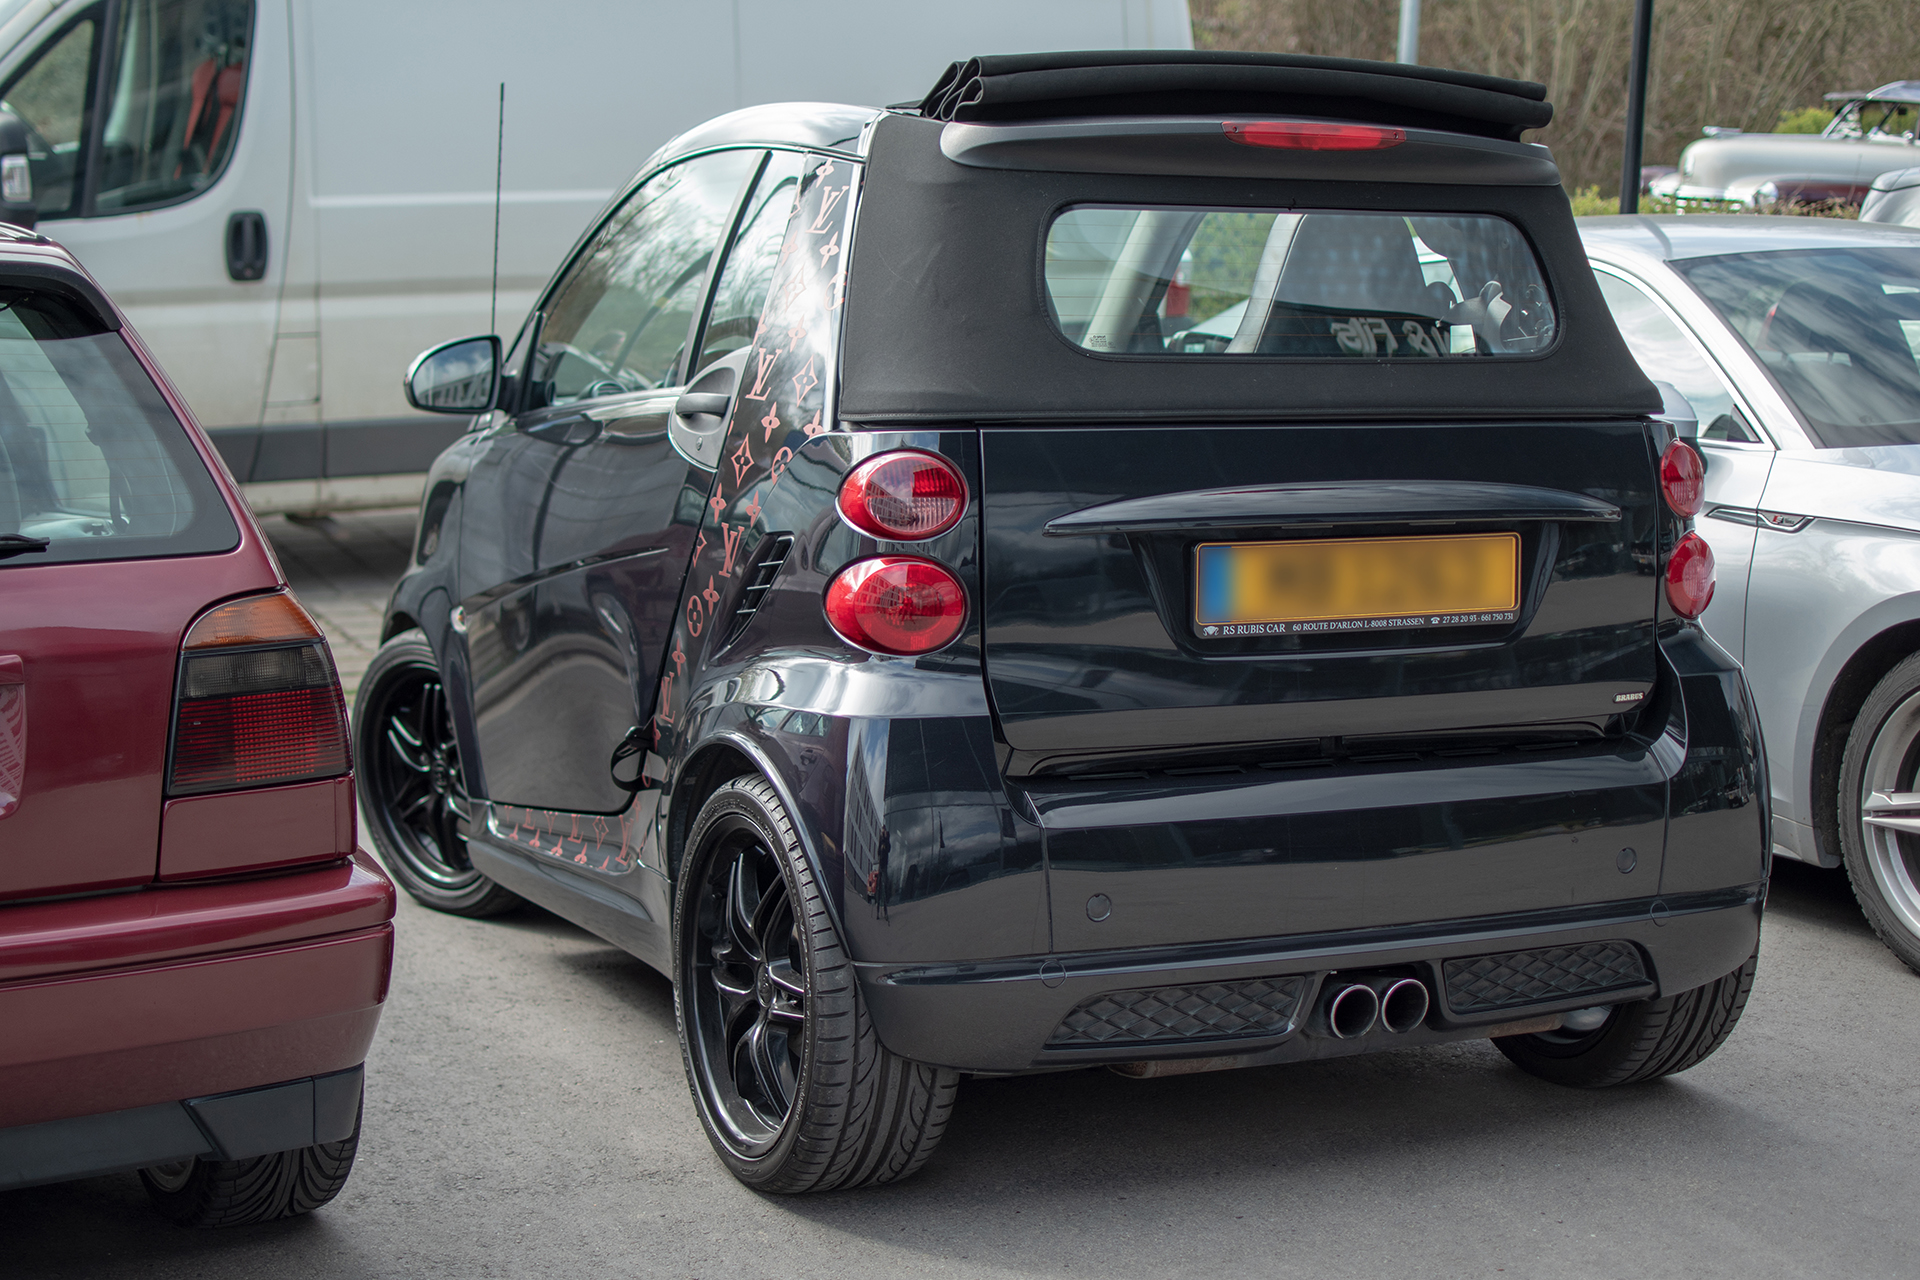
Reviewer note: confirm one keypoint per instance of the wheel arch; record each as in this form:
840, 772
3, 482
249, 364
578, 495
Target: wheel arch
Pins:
397, 622
724, 756
1857, 664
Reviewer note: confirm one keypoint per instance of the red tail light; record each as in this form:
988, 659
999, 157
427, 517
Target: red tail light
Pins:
1683, 479
903, 496
897, 604
1690, 576
258, 703
1313, 135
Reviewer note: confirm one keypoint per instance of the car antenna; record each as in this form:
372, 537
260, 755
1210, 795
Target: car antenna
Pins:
499, 160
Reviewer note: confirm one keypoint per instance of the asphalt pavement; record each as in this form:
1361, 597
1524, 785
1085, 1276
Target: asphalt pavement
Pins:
527, 1115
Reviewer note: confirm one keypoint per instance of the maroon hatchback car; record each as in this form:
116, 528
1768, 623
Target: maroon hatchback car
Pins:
193, 956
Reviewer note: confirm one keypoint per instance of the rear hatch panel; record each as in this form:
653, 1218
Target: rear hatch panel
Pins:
1093, 652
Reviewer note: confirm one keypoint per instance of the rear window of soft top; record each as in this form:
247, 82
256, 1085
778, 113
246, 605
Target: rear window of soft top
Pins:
1322, 284
93, 463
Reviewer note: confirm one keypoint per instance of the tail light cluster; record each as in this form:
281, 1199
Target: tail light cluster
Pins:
903, 496
894, 604
258, 702
1683, 483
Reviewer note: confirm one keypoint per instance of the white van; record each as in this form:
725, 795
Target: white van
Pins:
292, 198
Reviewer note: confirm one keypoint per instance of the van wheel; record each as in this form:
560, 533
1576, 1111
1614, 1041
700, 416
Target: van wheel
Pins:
412, 796
235, 1193
1879, 811
1640, 1041
795, 1090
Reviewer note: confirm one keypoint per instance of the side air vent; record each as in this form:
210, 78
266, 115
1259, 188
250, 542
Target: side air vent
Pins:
761, 572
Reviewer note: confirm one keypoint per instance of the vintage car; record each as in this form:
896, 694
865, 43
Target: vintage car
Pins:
1894, 197
864, 599
1871, 133
193, 955
1795, 346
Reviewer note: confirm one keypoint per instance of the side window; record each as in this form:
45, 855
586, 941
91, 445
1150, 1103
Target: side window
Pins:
621, 319
51, 96
1668, 355
748, 270
179, 79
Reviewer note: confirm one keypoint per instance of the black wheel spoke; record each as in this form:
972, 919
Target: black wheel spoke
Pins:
408, 751
771, 922
789, 992
772, 1077
736, 993
743, 898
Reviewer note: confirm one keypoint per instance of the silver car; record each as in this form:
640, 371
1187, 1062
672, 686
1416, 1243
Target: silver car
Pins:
1794, 346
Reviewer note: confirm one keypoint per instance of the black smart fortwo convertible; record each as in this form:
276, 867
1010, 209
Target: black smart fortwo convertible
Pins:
1154, 560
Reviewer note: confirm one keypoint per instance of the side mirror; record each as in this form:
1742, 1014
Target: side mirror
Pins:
1678, 412
456, 377
16, 172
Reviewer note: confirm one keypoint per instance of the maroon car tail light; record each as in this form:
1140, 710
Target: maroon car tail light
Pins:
258, 703
903, 496
1312, 135
1683, 479
1690, 577
901, 605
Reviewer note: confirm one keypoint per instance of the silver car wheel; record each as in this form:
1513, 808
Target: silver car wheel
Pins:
1890, 812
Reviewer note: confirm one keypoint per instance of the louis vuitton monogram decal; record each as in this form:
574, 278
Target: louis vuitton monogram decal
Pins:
782, 402
599, 842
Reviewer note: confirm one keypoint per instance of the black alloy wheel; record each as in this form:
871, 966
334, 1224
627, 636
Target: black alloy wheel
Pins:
793, 1086
750, 985
411, 791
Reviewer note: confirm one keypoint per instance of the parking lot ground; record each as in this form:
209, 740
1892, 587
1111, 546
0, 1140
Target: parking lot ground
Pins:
527, 1115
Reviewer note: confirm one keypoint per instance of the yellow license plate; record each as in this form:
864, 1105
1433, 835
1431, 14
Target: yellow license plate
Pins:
1355, 584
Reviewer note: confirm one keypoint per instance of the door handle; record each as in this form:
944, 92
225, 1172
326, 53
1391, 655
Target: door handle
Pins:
701, 402
247, 245
631, 747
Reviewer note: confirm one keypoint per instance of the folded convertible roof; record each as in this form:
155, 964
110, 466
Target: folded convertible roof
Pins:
1034, 86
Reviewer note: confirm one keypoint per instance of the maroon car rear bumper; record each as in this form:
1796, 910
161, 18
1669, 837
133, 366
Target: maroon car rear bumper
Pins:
127, 1000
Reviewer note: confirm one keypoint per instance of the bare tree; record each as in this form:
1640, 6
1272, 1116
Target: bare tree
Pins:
1725, 62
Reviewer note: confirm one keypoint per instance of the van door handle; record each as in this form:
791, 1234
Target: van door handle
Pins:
247, 245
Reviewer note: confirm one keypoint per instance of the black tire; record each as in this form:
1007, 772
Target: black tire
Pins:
1882, 758
237, 1193
1641, 1041
794, 1089
412, 797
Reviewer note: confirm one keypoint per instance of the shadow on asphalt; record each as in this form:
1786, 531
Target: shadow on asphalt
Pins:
1815, 895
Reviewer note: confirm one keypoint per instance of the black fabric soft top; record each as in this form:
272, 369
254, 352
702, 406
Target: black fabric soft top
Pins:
947, 316
1031, 86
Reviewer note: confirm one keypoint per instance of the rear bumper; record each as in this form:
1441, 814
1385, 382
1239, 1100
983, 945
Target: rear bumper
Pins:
233, 1126
999, 1015
132, 1000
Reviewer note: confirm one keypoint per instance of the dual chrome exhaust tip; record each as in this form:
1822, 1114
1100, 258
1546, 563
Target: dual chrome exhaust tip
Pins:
1396, 1005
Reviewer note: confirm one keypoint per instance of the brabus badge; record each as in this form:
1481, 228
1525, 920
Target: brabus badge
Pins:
1628, 697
